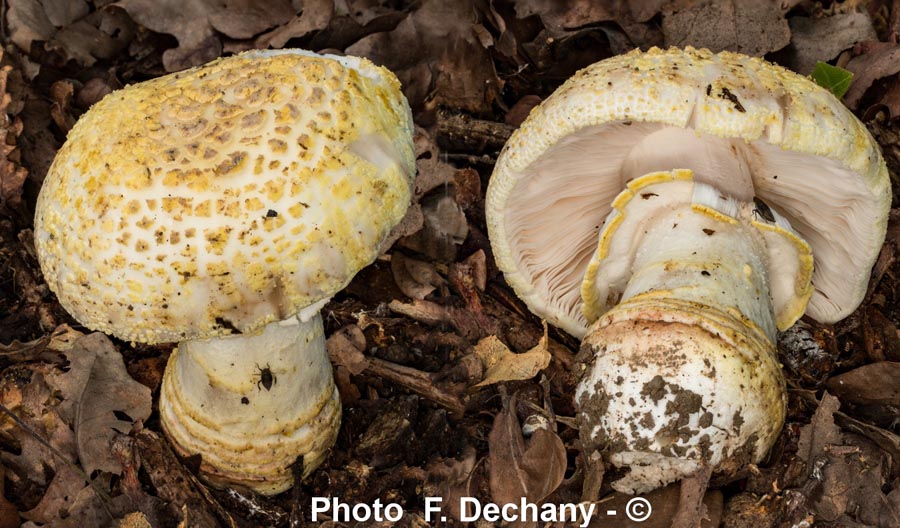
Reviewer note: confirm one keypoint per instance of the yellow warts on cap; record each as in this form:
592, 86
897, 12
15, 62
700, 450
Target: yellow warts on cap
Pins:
224, 197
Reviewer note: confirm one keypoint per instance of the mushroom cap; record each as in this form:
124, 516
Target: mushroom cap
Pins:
227, 196
804, 152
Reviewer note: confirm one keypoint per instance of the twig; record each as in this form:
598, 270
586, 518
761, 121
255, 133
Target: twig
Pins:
461, 133
691, 509
417, 381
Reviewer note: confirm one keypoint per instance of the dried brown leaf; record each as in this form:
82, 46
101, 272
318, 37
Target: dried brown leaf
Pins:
821, 432
872, 384
65, 488
502, 364
520, 468
70, 29
822, 39
431, 171
444, 230
61, 93
521, 109
35, 405
345, 348
415, 278
447, 62
64, 12
878, 61
452, 479
28, 22
9, 513
412, 223
316, 15
754, 27
94, 90
12, 175
94, 389
110, 403
561, 16
243, 19
187, 20
886, 440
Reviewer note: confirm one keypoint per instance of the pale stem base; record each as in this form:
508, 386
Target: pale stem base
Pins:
683, 371
252, 404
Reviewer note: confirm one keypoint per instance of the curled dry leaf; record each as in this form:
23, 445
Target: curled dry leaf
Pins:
187, 20
69, 28
100, 399
502, 364
345, 348
821, 432
565, 17
822, 39
243, 19
447, 63
415, 278
12, 175
102, 34
35, 404
61, 93
431, 171
452, 479
752, 27
59, 497
872, 384
315, 16
64, 12
520, 468
877, 61
445, 228
28, 21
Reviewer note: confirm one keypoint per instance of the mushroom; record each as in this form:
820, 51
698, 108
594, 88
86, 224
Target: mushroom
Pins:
220, 208
666, 207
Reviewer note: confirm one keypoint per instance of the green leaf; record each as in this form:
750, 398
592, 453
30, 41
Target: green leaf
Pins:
835, 80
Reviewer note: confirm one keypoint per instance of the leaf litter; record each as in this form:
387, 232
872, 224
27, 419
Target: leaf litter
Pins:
450, 388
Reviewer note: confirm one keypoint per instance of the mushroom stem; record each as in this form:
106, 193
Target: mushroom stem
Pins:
253, 404
683, 371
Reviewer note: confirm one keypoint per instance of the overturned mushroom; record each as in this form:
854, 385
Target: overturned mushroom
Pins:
221, 207
721, 178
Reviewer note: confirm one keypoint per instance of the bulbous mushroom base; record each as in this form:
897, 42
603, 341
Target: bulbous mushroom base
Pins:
251, 405
706, 391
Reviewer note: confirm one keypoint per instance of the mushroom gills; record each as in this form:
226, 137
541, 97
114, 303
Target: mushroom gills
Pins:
253, 404
686, 290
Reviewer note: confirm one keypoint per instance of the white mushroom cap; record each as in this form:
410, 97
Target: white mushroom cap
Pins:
225, 197
795, 147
